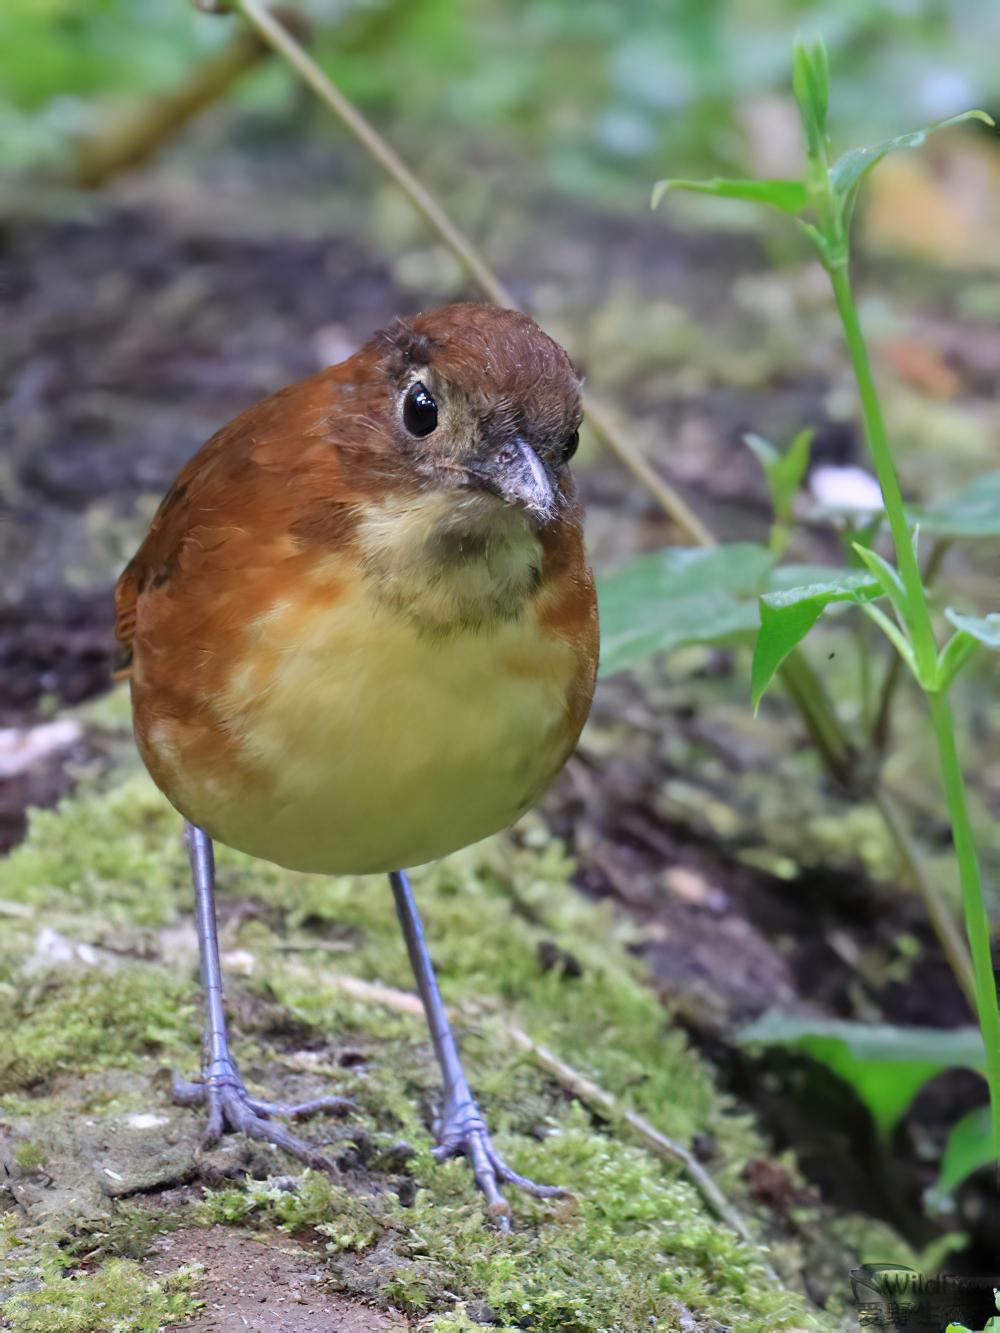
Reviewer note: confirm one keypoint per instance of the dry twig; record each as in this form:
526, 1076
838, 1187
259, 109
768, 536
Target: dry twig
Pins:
585, 1090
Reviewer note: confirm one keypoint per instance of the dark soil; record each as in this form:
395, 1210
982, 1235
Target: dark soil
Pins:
280, 1287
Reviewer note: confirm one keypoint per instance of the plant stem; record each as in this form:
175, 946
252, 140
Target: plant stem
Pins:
977, 921
879, 735
821, 721
808, 695
919, 616
862, 642
925, 653
942, 919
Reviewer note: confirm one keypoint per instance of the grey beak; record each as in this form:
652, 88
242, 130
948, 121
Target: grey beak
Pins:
516, 474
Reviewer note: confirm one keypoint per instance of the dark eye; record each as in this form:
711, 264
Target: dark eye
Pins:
420, 411
570, 447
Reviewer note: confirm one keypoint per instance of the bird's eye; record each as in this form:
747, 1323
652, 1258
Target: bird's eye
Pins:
570, 446
420, 411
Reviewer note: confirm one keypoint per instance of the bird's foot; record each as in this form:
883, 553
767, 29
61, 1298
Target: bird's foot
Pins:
231, 1109
464, 1132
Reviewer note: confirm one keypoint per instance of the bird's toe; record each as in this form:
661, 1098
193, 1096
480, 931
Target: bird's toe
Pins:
463, 1132
231, 1109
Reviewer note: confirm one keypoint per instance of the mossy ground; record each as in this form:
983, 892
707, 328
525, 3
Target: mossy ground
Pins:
117, 1296
98, 998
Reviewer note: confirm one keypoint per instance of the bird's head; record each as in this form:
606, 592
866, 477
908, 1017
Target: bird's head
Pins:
483, 404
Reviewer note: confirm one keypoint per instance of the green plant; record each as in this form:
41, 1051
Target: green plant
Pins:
822, 204
991, 1325
886, 1066
783, 473
118, 1297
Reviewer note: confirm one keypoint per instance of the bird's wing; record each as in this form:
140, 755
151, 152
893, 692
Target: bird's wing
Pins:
283, 472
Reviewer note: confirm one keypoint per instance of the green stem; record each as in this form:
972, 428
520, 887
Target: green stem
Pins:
879, 734
925, 660
918, 612
817, 713
862, 637
977, 922
942, 919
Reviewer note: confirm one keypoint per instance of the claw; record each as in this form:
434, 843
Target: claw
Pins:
232, 1109
463, 1132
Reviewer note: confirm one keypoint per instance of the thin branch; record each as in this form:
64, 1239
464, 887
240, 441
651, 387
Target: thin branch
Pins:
942, 919
596, 1097
607, 432
809, 697
585, 1090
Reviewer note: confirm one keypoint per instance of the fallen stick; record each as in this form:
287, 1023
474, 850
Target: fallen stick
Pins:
586, 1091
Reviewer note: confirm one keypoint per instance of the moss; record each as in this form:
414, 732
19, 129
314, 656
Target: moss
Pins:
459, 1322
314, 1202
89, 1019
117, 1297
637, 1246
116, 852
128, 1233
486, 913
30, 1156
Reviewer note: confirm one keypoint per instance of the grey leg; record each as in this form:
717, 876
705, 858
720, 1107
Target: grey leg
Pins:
230, 1106
462, 1128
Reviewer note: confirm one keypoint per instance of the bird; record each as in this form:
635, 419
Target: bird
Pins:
360, 634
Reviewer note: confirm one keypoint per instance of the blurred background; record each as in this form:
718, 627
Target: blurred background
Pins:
184, 228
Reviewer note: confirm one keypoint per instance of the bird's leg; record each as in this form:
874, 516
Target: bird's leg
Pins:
230, 1105
462, 1127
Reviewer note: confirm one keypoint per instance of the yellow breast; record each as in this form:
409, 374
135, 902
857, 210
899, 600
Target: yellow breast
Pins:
377, 707
359, 743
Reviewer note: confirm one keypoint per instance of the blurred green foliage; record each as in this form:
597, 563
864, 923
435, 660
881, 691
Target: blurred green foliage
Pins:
61, 61
602, 93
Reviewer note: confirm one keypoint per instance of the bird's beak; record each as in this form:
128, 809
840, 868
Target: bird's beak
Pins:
517, 475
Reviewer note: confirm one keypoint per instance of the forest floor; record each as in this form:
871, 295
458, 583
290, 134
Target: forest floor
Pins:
691, 871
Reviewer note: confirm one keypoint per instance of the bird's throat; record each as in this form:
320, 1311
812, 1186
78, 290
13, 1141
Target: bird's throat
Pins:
451, 563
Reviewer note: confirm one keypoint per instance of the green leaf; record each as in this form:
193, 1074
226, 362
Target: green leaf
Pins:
953, 656
885, 1065
901, 642
782, 471
852, 167
811, 86
677, 596
972, 512
789, 196
764, 451
969, 1146
888, 577
786, 577
984, 628
787, 616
